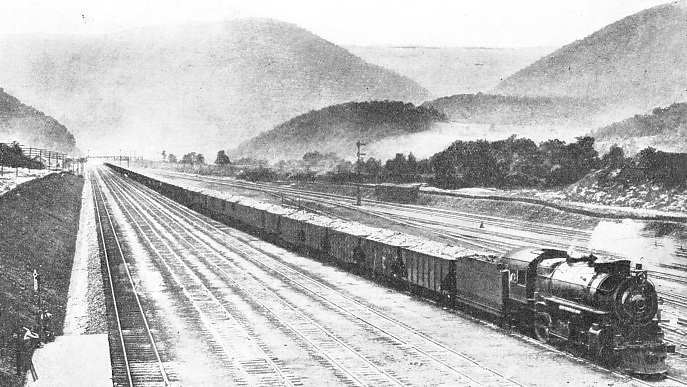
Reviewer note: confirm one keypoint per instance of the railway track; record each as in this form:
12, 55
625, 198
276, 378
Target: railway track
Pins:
231, 340
135, 358
681, 279
351, 367
260, 259
180, 223
489, 232
450, 217
675, 299
483, 232
486, 233
472, 225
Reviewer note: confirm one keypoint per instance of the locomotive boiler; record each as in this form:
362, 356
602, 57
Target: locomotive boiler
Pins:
605, 307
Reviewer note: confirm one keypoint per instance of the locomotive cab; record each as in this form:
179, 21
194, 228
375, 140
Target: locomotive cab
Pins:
523, 264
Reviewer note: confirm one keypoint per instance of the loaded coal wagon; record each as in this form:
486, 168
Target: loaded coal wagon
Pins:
383, 257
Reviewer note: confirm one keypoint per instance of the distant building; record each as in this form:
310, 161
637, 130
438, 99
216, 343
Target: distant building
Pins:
399, 193
38, 162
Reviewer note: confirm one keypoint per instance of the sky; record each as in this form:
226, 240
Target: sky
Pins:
446, 23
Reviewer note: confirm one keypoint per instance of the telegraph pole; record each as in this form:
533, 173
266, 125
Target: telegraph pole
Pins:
359, 156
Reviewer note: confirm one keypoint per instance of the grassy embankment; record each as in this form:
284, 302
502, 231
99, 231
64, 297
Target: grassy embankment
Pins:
38, 225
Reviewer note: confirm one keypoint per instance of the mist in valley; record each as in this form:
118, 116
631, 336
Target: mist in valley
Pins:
425, 144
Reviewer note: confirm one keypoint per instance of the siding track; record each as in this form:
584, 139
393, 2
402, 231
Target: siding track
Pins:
215, 253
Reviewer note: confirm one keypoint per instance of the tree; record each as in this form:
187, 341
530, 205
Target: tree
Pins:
412, 164
615, 157
222, 158
647, 162
172, 158
312, 157
12, 155
373, 167
397, 167
200, 159
164, 156
189, 158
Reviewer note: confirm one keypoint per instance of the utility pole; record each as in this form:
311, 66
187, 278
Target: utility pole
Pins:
359, 156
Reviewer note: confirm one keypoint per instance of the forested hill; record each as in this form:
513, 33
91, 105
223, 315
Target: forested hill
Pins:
30, 127
337, 128
664, 127
636, 63
510, 110
199, 86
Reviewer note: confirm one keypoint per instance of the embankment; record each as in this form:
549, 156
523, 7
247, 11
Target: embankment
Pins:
39, 221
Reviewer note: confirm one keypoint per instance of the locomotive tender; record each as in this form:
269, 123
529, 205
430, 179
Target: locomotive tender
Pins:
604, 307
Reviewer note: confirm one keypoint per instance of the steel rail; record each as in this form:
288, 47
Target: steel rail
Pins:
111, 280
414, 222
171, 206
310, 341
210, 225
147, 237
277, 190
149, 333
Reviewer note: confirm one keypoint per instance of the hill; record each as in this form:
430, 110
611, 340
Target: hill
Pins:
664, 128
510, 110
445, 71
30, 127
337, 128
195, 87
635, 64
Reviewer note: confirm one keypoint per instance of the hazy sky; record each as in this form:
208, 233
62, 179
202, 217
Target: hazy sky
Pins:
487, 23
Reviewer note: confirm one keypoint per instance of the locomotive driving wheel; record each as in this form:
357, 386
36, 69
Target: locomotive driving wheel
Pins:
542, 324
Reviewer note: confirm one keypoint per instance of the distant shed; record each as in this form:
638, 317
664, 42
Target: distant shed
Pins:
399, 193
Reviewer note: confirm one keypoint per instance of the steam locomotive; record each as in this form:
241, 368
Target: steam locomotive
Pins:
603, 306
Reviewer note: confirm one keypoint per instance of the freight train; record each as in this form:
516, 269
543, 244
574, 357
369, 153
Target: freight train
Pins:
604, 307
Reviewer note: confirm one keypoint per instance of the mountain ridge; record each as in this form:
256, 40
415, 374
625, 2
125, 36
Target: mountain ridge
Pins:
636, 63
198, 86
31, 127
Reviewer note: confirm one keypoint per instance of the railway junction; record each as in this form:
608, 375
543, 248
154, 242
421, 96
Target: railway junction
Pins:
192, 301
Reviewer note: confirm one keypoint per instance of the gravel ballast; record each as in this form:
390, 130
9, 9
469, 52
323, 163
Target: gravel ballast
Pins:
86, 306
